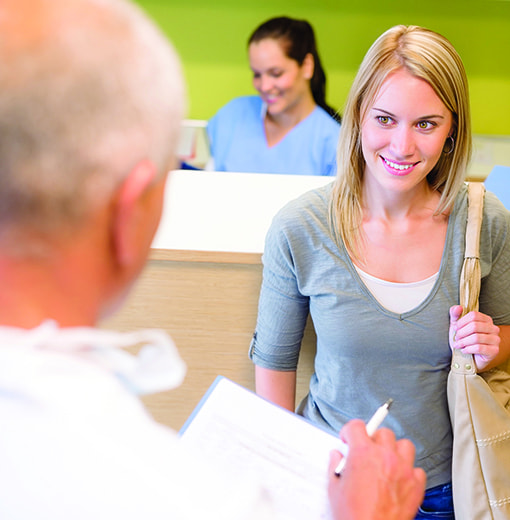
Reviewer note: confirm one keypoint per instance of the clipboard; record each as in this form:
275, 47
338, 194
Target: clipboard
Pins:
253, 438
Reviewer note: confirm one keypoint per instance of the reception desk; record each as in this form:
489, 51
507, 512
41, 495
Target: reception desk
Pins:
202, 280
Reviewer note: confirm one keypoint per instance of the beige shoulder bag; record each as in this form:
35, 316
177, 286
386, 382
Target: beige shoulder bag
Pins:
479, 405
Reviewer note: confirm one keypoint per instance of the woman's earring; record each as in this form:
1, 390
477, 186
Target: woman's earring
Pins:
448, 151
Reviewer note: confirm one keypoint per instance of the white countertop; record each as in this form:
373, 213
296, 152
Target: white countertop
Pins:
224, 211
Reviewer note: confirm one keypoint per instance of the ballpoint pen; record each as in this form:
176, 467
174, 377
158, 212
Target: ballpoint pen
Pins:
372, 425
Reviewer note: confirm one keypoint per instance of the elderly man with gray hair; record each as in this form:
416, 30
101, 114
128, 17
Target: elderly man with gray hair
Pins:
91, 102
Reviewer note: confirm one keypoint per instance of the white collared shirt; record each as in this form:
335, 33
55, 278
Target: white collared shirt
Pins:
75, 443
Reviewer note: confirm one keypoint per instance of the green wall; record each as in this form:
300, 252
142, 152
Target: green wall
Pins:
211, 35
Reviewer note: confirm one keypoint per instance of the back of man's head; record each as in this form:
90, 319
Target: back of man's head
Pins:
88, 88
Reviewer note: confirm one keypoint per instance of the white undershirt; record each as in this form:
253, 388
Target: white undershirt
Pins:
398, 297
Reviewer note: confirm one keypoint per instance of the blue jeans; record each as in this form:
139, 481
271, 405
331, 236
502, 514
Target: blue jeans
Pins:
438, 503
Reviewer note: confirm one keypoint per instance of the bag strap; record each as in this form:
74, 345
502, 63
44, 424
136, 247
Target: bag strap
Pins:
476, 192
470, 277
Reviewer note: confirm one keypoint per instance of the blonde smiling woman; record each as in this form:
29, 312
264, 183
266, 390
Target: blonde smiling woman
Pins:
375, 259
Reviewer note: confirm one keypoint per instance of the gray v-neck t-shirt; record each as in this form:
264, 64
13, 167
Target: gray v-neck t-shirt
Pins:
366, 353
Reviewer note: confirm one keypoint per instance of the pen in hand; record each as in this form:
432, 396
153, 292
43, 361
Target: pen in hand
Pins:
372, 425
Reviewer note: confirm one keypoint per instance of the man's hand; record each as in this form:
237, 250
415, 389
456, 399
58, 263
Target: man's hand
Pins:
379, 481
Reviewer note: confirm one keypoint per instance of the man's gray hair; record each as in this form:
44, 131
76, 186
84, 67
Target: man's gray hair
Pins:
88, 88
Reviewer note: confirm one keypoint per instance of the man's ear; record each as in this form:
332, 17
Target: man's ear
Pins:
129, 218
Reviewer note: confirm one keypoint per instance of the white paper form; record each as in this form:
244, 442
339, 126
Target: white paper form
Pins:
249, 437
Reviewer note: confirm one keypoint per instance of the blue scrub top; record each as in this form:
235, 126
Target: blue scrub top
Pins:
238, 141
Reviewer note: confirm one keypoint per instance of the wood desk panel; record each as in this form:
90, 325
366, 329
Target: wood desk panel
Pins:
208, 303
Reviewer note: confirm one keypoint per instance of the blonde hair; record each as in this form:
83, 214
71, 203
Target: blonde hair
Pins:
426, 55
